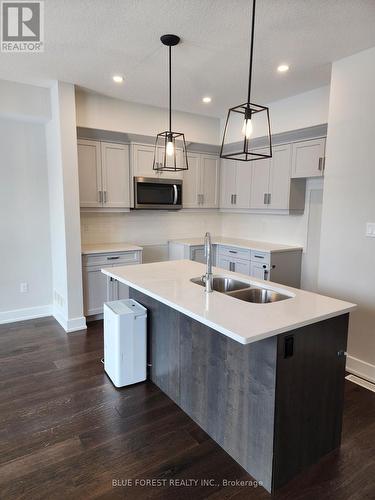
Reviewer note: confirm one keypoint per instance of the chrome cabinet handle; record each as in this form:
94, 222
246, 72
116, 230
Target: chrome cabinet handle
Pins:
232, 251
104, 196
113, 258
100, 196
322, 164
265, 197
269, 199
234, 199
231, 199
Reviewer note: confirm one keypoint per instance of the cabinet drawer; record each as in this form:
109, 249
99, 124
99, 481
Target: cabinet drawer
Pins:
111, 258
264, 257
233, 252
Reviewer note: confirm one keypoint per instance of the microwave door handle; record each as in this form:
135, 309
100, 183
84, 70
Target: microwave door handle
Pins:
175, 194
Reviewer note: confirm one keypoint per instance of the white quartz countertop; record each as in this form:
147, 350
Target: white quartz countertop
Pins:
169, 282
109, 248
261, 246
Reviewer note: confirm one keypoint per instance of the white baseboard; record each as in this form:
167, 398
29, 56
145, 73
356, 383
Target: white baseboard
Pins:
70, 325
24, 314
361, 368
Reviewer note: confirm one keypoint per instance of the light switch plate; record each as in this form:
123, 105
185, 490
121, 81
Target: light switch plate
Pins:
370, 229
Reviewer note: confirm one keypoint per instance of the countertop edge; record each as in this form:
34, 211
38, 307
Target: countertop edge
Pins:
219, 328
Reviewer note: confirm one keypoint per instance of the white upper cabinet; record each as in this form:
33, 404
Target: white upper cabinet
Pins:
115, 175
201, 182
90, 173
279, 183
235, 184
191, 182
243, 185
260, 183
143, 162
103, 170
271, 185
308, 158
210, 181
227, 183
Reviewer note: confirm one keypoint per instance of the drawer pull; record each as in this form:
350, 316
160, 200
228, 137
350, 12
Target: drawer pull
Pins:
259, 256
232, 251
113, 258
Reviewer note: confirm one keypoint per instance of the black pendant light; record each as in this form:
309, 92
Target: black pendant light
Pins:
245, 121
166, 156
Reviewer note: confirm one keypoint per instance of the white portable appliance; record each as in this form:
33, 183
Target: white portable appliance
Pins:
125, 342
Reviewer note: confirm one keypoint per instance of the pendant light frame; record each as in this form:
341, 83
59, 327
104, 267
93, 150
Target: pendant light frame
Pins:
170, 163
241, 151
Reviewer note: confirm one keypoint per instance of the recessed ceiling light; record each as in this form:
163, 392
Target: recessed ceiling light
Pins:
118, 78
207, 99
283, 68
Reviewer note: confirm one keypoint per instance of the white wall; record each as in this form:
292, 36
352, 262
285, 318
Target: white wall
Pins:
64, 206
24, 102
347, 261
24, 221
102, 112
299, 111
152, 230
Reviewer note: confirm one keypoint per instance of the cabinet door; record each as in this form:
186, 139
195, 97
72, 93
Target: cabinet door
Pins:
260, 183
209, 166
97, 290
90, 173
243, 184
224, 263
167, 174
143, 160
308, 158
279, 186
197, 254
116, 175
228, 172
257, 270
240, 266
191, 195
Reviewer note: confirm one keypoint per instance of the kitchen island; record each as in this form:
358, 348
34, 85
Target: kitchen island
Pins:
265, 381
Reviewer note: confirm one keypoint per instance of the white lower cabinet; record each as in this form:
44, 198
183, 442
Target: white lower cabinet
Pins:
99, 288
233, 264
257, 270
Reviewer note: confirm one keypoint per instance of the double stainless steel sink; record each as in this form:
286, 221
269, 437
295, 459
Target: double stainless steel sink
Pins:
241, 290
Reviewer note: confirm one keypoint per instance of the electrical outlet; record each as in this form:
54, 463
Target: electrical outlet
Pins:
24, 287
370, 229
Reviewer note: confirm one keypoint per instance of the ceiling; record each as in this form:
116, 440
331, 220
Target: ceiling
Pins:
88, 41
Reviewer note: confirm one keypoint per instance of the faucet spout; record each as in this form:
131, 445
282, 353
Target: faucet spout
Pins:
208, 255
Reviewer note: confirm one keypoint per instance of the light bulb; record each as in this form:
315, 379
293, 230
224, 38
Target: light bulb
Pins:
170, 148
247, 128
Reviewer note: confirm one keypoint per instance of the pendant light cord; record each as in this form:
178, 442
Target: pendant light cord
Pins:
251, 52
170, 89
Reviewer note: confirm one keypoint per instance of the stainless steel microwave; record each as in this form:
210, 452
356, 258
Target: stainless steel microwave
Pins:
157, 193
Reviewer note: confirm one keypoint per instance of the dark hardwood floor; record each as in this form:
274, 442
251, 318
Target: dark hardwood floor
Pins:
66, 432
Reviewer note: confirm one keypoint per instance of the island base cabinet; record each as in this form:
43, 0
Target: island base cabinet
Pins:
274, 405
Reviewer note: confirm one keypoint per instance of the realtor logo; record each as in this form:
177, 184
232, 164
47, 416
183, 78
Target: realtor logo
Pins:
22, 26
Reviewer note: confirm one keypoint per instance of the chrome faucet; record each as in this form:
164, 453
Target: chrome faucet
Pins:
208, 254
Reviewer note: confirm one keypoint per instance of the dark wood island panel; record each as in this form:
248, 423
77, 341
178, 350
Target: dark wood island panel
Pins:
274, 405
